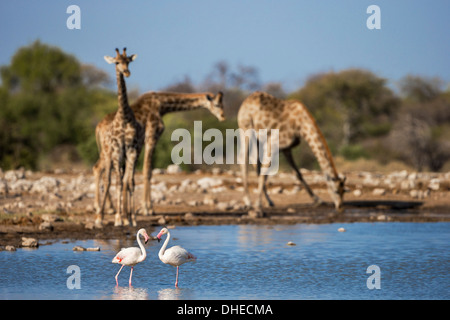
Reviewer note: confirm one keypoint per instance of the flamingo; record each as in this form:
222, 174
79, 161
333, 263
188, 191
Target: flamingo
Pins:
131, 256
175, 256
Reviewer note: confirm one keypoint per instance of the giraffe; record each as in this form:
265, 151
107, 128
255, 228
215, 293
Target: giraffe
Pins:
149, 109
260, 110
119, 147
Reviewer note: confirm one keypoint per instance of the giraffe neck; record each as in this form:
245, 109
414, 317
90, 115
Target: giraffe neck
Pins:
172, 102
124, 112
316, 141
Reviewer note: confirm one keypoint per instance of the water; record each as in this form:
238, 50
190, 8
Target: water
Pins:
248, 262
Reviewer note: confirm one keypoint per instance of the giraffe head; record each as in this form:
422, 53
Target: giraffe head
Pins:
215, 105
121, 61
336, 187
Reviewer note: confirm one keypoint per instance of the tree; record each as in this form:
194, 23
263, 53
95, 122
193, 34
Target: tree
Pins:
47, 98
351, 105
41, 68
420, 135
420, 89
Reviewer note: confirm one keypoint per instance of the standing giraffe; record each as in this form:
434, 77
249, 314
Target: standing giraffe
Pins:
149, 109
119, 146
262, 111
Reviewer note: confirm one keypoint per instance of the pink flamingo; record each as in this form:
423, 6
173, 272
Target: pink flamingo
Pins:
175, 256
131, 256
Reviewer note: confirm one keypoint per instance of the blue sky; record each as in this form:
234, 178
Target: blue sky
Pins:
286, 40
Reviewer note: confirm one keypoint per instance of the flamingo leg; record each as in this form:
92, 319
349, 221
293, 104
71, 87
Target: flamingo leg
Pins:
176, 280
131, 274
117, 281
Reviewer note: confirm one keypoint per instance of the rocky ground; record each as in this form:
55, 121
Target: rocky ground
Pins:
59, 205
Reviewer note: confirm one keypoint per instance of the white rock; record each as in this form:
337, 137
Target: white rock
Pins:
161, 186
370, 181
222, 206
45, 185
162, 221
193, 203
219, 189
276, 190
407, 184
173, 168
21, 185
188, 216
414, 193
209, 201
13, 175
3, 186
207, 182
158, 171
46, 226
379, 192
158, 196
434, 184
50, 217
29, 242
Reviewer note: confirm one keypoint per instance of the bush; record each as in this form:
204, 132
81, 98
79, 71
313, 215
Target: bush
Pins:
353, 152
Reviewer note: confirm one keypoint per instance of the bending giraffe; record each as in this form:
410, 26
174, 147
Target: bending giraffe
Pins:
262, 111
119, 147
149, 109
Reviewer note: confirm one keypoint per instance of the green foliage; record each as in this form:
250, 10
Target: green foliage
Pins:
350, 105
44, 104
41, 68
353, 152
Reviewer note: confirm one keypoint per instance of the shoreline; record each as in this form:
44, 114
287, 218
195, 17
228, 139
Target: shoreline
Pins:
50, 206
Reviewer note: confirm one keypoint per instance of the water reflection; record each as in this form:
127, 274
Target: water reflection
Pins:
176, 294
129, 293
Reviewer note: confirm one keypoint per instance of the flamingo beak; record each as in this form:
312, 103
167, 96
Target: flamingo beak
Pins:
146, 238
158, 237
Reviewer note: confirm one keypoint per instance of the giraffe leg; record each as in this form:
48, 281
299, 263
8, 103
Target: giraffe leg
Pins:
264, 189
119, 183
125, 195
100, 216
109, 207
257, 211
109, 204
152, 134
147, 197
288, 155
128, 189
244, 167
132, 209
97, 170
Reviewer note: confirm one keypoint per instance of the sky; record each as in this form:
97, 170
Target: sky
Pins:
287, 41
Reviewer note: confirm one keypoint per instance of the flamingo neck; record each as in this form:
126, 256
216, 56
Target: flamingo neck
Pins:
143, 251
164, 246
